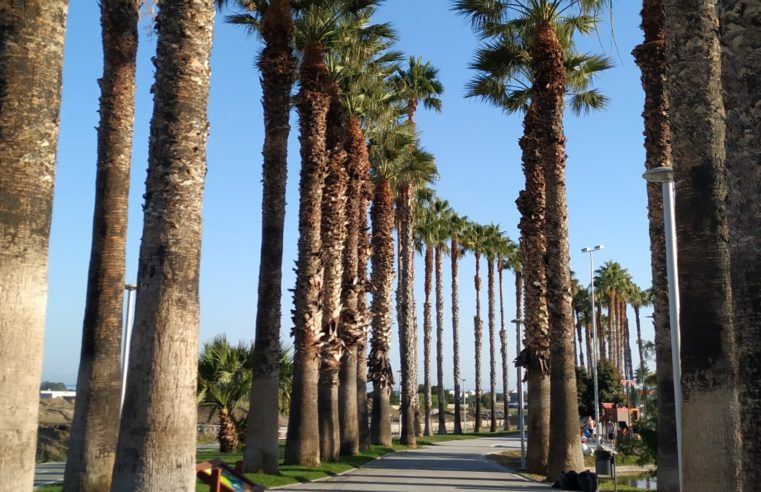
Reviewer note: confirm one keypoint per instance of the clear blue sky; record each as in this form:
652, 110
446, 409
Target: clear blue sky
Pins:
476, 149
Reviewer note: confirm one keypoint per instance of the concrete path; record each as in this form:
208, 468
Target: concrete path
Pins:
52, 471
447, 466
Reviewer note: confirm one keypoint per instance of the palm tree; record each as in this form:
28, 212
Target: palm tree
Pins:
30, 100
418, 170
430, 223
444, 215
534, 38
457, 231
157, 435
333, 234
579, 298
475, 241
360, 66
740, 101
273, 21
639, 299
224, 382
316, 28
651, 58
425, 233
418, 83
508, 258
90, 458
698, 144
363, 315
494, 239
386, 150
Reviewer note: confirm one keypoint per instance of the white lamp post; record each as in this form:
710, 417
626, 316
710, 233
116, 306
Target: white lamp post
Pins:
595, 347
130, 288
665, 176
518, 323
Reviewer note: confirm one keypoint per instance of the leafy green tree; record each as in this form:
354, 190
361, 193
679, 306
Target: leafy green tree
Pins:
51, 386
608, 382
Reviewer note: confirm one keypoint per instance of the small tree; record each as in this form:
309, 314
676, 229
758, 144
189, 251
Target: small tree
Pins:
224, 382
608, 382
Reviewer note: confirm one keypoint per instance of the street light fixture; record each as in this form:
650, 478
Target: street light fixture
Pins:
521, 426
595, 347
130, 288
665, 176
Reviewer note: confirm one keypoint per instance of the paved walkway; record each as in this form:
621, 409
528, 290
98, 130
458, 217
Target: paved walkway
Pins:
447, 466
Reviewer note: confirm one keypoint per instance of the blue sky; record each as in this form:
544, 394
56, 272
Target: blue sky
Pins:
475, 145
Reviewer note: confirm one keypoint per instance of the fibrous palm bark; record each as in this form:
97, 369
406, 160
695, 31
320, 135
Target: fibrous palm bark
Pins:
92, 449
492, 346
352, 326
31, 57
157, 436
740, 47
363, 314
302, 444
382, 260
427, 328
333, 234
710, 409
408, 325
549, 76
442, 428
455, 255
478, 331
535, 356
277, 65
503, 345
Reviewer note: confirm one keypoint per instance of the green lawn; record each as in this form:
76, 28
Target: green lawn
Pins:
295, 473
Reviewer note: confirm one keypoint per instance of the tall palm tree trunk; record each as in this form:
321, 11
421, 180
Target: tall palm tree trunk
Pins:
351, 329
364, 317
503, 347
455, 253
302, 445
157, 437
709, 389
333, 232
92, 449
651, 58
442, 429
740, 42
31, 57
640, 347
407, 329
492, 347
535, 355
565, 448
589, 343
382, 260
580, 339
277, 65
478, 332
427, 328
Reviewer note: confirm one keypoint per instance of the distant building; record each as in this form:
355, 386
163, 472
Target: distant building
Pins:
47, 394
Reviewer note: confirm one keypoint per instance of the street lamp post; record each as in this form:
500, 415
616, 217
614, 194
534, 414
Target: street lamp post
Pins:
521, 426
130, 288
595, 347
665, 176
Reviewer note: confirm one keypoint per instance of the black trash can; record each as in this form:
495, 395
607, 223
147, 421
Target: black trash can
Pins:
605, 462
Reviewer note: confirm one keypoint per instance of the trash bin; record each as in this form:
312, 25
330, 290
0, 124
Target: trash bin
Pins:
605, 462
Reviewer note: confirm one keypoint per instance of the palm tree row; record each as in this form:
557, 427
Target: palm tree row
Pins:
528, 64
